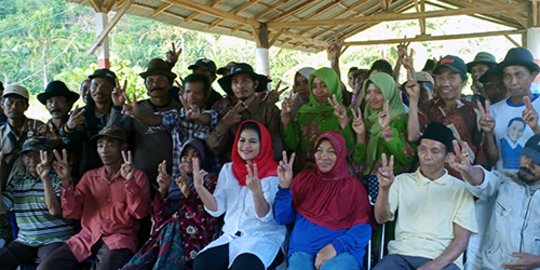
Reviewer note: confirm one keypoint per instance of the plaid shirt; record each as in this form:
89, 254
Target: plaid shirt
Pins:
182, 129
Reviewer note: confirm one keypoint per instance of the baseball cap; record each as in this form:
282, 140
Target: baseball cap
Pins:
16, 89
34, 144
453, 63
532, 149
204, 63
104, 73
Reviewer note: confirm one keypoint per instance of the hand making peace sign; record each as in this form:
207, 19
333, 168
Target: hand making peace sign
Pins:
127, 169
285, 170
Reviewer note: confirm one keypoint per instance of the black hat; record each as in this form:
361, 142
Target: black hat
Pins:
55, 89
221, 70
35, 144
441, 133
104, 73
519, 57
204, 63
453, 63
243, 68
493, 71
532, 149
157, 66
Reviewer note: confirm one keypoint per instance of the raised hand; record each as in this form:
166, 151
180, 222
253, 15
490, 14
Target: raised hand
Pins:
44, 167
163, 179
131, 108
285, 170
286, 109
194, 113
198, 173
384, 116
234, 116
127, 169
530, 115
61, 166
385, 174
334, 50
487, 123
172, 54
118, 94
273, 96
358, 122
339, 111
325, 254
461, 161
252, 179
76, 118
182, 181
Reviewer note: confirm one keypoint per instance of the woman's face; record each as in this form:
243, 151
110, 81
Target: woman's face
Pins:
187, 158
325, 156
320, 91
374, 97
301, 86
249, 145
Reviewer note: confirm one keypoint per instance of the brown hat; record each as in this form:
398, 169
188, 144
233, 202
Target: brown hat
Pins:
157, 66
113, 132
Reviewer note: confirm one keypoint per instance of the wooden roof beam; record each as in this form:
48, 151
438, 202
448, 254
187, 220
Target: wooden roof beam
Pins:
110, 26
434, 38
234, 11
162, 8
205, 9
405, 16
270, 9
294, 10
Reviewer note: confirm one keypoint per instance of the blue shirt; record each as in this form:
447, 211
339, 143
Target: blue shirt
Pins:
309, 237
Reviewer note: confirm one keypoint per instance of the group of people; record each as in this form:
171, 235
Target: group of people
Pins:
190, 179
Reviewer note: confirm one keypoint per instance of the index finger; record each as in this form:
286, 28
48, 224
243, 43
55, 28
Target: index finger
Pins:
284, 155
278, 84
125, 85
129, 156
488, 107
57, 155
255, 170
527, 101
116, 83
391, 163
173, 47
293, 156
124, 157
480, 109
457, 148
282, 90
354, 115
195, 164
64, 155
359, 112
386, 105
384, 160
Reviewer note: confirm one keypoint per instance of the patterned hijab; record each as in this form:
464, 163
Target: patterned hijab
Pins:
331, 79
390, 92
335, 199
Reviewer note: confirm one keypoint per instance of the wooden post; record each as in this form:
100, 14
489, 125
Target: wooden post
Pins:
262, 64
533, 34
103, 50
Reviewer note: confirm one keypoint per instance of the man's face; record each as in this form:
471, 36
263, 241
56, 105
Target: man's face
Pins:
529, 172
157, 85
518, 80
494, 89
243, 86
31, 160
203, 71
515, 130
58, 106
431, 155
84, 91
101, 89
110, 150
448, 84
478, 70
14, 106
194, 93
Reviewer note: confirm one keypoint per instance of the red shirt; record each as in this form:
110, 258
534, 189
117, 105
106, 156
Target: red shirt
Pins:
109, 210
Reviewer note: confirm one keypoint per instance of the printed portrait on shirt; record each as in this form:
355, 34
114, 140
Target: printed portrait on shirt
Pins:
512, 143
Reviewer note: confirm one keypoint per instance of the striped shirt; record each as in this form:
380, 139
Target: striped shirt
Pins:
25, 195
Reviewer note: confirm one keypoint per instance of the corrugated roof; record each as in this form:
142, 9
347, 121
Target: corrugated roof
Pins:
310, 25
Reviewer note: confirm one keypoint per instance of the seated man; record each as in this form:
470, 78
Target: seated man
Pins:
33, 193
511, 240
436, 212
110, 201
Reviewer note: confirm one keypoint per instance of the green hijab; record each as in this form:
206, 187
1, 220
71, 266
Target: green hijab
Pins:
390, 92
331, 79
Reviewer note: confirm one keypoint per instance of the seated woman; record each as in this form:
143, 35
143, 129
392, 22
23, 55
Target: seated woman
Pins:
328, 206
181, 226
245, 192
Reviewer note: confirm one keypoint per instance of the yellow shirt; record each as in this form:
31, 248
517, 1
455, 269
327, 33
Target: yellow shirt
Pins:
426, 212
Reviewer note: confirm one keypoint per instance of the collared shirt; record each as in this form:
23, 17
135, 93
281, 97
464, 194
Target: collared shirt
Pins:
514, 224
109, 210
26, 196
182, 129
428, 210
221, 139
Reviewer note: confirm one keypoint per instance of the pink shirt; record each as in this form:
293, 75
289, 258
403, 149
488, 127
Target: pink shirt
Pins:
109, 210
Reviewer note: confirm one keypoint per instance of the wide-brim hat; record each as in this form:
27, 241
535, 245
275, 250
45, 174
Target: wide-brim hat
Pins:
204, 63
55, 89
243, 68
493, 71
113, 132
532, 149
157, 66
519, 57
482, 58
